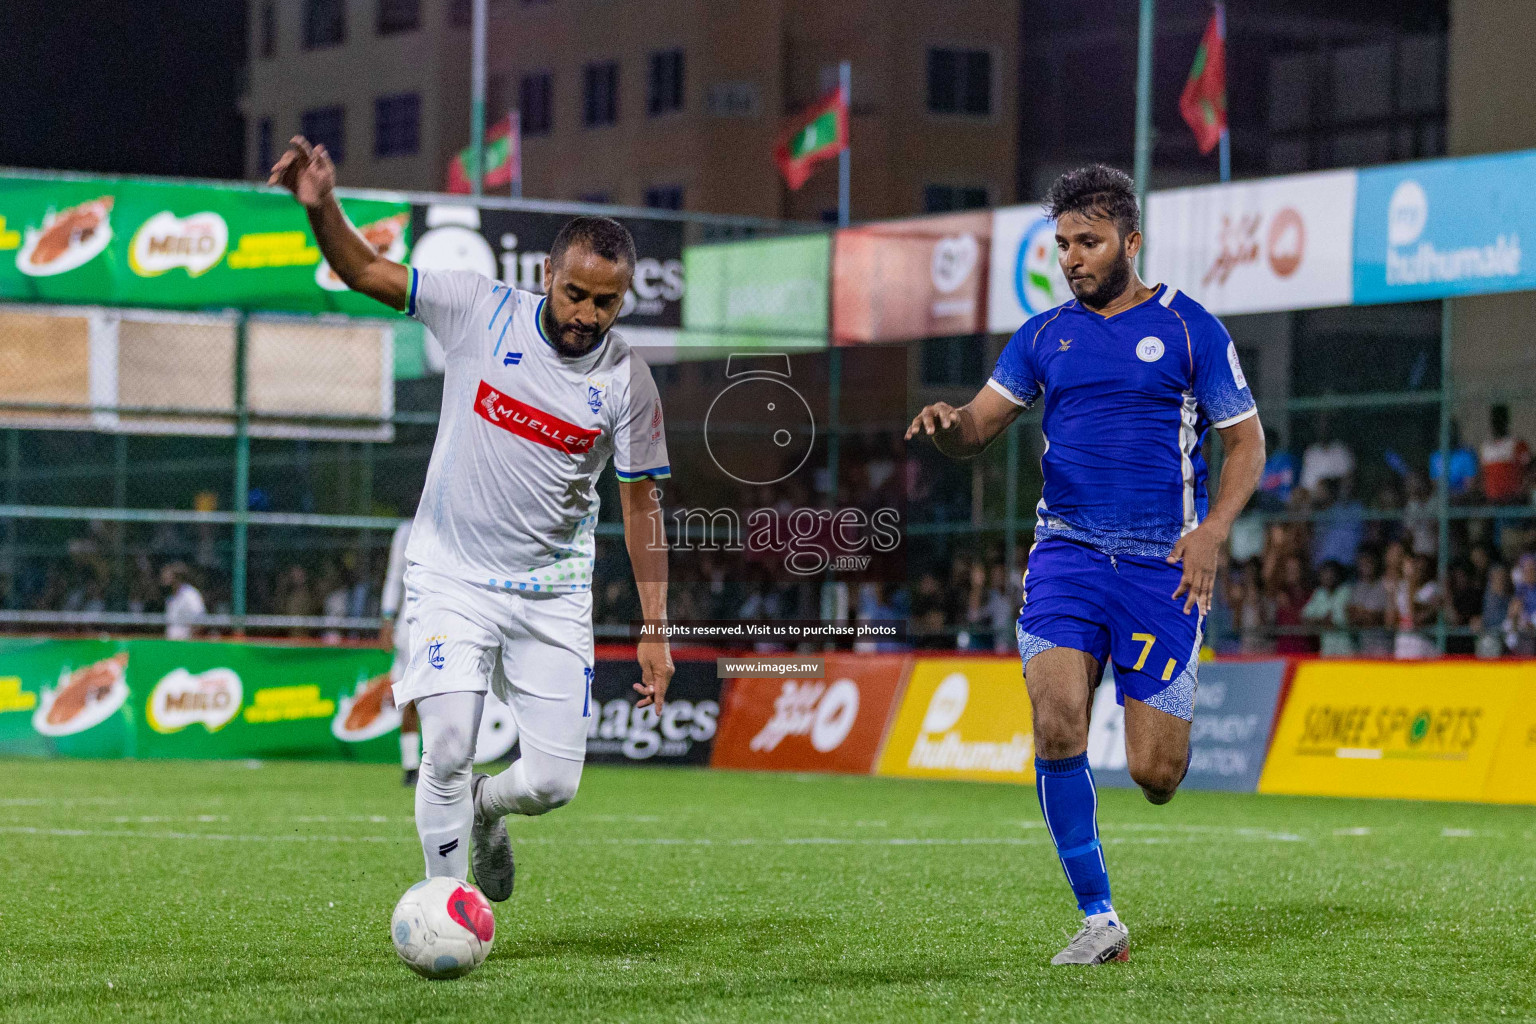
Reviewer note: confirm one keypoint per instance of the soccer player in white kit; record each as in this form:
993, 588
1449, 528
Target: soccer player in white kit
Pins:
537, 395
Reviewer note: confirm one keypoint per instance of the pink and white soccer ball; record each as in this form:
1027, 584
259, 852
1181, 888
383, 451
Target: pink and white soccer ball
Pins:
443, 928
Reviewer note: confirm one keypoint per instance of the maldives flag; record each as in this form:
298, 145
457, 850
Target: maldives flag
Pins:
503, 158
1204, 101
818, 134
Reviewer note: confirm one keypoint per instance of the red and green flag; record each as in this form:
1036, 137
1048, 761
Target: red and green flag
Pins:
1204, 100
503, 158
818, 134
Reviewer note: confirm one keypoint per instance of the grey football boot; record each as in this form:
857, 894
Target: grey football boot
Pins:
1096, 944
491, 852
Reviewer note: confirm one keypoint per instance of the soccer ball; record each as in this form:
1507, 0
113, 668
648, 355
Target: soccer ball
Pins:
443, 928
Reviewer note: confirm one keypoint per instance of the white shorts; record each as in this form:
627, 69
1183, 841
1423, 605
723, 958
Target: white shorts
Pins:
532, 650
402, 651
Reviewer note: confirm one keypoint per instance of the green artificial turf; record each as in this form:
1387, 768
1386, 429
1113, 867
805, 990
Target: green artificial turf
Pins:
207, 892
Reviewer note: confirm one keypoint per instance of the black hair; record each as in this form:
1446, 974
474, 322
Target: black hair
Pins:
1095, 192
603, 236
1498, 419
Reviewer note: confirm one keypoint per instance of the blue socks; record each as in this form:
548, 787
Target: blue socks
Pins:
1070, 805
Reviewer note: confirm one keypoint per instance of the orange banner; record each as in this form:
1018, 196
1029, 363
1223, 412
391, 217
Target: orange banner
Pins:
832, 724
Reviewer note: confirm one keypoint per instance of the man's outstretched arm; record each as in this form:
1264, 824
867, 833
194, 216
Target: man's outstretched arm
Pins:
964, 433
307, 172
646, 540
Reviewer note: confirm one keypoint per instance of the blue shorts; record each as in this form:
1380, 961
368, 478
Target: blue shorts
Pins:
1120, 609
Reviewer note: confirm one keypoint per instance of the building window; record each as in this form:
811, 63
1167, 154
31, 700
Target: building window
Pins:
600, 94
325, 23
664, 197
948, 198
264, 159
399, 16
268, 29
535, 103
664, 92
396, 125
959, 81
326, 126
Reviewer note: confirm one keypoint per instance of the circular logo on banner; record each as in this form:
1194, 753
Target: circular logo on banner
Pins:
1149, 350
1287, 242
1037, 277
1407, 213
947, 703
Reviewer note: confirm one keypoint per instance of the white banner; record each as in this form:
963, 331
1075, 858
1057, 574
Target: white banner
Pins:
1257, 246
1025, 277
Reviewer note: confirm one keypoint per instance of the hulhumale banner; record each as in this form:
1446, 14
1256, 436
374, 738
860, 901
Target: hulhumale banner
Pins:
1234, 710
1445, 227
113, 241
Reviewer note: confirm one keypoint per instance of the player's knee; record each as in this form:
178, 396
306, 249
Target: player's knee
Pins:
1159, 780
1059, 734
449, 760
554, 785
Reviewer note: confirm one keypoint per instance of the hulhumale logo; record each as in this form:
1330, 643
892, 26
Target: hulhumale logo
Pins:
1414, 260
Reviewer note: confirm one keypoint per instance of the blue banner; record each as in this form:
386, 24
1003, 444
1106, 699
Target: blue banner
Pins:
1234, 712
1445, 227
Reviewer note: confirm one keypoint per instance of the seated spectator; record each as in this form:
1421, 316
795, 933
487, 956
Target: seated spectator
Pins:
1504, 460
1288, 596
1327, 458
1368, 608
1279, 473
1464, 607
1420, 516
1418, 601
1251, 612
184, 604
1329, 606
1498, 596
1341, 523
1463, 471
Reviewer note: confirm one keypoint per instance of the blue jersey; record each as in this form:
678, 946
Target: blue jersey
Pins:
1128, 399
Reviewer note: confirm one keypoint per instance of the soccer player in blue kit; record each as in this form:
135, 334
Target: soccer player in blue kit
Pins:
1126, 541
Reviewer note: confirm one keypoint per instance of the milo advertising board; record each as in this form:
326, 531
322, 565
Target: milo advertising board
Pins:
162, 698
187, 246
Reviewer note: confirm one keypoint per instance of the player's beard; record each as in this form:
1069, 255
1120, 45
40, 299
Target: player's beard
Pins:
1110, 287
568, 343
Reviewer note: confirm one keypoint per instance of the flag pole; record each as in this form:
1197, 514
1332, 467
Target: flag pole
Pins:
515, 141
1143, 169
477, 101
1226, 131
844, 168
844, 215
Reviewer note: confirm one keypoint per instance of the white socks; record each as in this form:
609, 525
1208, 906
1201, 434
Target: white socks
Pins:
1110, 918
444, 810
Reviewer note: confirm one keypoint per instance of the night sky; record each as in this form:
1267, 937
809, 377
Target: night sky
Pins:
147, 87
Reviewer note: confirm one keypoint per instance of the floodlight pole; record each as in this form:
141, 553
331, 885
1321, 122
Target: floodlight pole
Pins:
1143, 169
477, 100
835, 358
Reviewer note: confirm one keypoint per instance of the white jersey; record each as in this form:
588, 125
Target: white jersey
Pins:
511, 494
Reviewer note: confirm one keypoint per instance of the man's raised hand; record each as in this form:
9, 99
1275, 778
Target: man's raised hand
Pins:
939, 416
306, 171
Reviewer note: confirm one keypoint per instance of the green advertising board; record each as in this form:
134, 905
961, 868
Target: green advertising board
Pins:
166, 698
760, 294
120, 242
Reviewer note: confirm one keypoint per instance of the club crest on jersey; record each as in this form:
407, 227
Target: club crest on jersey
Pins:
1149, 349
595, 392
